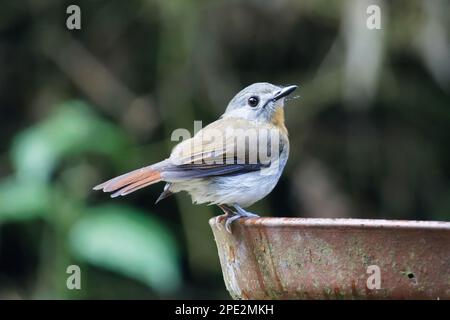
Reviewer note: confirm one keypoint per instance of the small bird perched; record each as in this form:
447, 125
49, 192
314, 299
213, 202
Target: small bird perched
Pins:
233, 162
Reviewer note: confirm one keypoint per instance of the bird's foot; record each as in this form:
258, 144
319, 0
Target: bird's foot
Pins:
221, 218
231, 215
230, 221
239, 213
228, 213
245, 213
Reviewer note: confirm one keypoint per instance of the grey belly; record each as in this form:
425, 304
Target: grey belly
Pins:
242, 189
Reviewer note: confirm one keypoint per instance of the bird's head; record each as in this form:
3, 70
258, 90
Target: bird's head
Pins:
260, 101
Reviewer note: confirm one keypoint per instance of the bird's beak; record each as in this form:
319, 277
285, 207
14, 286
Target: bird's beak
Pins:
284, 92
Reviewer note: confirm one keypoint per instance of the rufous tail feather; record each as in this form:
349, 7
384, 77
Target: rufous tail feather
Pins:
130, 182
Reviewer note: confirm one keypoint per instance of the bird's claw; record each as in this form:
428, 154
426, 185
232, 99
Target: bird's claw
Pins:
220, 218
235, 217
230, 221
231, 215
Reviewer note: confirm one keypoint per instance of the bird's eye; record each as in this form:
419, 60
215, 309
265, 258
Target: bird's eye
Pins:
253, 101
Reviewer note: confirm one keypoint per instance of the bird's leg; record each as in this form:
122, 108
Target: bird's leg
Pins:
240, 213
226, 209
228, 212
244, 213
230, 221
231, 215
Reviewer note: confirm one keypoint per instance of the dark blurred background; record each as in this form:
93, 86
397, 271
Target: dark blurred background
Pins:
369, 134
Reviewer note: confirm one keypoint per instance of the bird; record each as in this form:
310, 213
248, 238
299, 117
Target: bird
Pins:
233, 162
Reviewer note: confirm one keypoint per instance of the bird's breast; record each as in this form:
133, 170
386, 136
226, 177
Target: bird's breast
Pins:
278, 120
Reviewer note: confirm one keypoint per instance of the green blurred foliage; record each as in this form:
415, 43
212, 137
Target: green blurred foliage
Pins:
146, 250
21, 200
127, 241
71, 130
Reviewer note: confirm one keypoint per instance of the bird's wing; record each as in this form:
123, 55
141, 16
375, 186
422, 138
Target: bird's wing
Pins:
226, 146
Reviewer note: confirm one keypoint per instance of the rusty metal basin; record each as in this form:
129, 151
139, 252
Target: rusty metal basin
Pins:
306, 258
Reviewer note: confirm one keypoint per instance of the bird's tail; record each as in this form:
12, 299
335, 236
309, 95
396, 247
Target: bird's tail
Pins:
131, 181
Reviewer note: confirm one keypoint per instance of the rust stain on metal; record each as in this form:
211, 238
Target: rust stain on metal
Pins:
258, 271
301, 258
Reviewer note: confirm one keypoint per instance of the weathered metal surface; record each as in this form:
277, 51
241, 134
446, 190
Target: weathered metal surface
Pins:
302, 258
